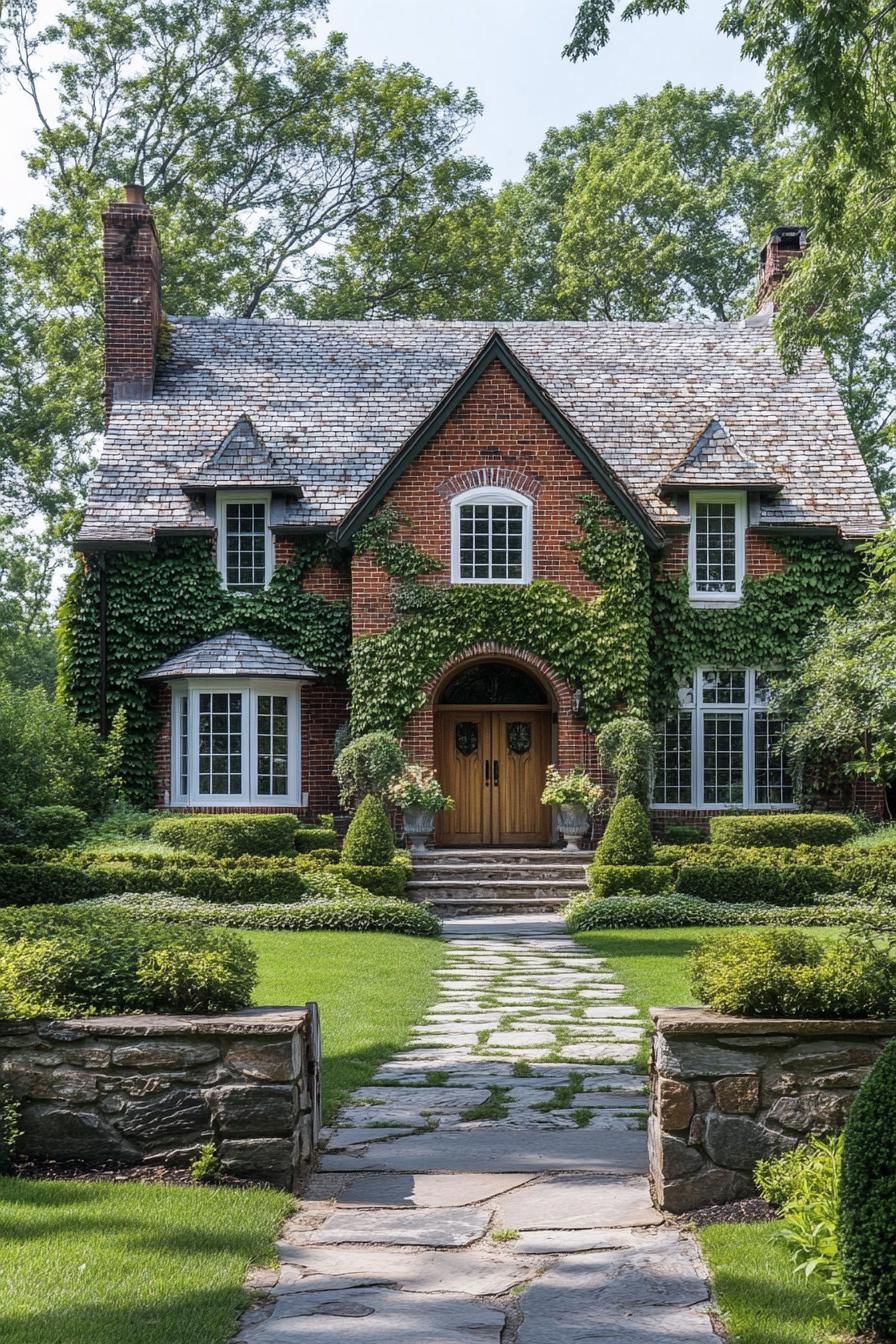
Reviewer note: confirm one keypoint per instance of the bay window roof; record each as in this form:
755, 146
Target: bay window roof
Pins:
233, 654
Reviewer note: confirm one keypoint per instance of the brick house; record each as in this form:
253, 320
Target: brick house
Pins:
260, 439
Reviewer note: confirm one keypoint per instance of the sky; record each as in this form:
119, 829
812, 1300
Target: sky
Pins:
507, 50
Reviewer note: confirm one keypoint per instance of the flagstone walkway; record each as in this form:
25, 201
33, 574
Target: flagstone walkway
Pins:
490, 1186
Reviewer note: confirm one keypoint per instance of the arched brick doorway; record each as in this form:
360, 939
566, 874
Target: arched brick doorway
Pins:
493, 731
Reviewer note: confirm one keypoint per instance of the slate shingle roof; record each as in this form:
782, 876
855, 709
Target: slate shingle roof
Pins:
715, 460
233, 654
242, 459
335, 400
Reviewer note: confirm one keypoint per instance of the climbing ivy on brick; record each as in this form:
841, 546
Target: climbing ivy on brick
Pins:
597, 645
161, 602
398, 557
769, 626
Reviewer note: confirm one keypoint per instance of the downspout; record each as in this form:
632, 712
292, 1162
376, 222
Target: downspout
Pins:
104, 645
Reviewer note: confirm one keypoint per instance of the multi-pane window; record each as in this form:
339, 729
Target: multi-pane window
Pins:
219, 752
491, 537
717, 547
273, 745
244, 543
726, 748
235, 745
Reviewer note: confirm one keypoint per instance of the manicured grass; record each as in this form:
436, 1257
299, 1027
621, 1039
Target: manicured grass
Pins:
370, 987
761, 1299
653, 964
119, 1263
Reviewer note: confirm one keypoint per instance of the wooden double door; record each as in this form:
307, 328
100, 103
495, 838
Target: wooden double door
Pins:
492, 762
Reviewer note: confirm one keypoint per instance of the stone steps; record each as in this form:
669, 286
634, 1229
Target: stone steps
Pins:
482, 881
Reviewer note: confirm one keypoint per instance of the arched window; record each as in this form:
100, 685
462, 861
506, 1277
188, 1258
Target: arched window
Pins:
491, 537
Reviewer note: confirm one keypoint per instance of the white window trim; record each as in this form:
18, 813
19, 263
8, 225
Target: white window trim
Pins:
226, 497
696, 708
250, 688
491, 495
698, 598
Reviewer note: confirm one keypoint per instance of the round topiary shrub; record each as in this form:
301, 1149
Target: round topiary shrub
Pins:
57, 826
867, 1226
369, 764
369, 838
627, 837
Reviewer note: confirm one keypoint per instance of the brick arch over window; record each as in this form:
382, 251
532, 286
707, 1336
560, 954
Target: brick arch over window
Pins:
498, 478
573, 744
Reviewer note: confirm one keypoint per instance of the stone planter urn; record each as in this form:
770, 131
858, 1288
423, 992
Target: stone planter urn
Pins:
419, 824
574, 824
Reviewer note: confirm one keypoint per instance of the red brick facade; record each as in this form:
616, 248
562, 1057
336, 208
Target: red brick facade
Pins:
495, 437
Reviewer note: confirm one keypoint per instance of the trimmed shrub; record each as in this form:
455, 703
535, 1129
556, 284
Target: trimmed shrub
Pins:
369, 764
57, 826
310, 838
47, 884
785, 973
627, 837
609, 879
782, 828
867, 1227
630, 910
758, 882
61, 963
670, 856
868, 872
388, 879
684, 835
358, 912
369, 838
227, 837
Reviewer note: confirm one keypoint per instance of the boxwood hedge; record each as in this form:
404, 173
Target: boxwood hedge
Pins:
335, 910
782, 828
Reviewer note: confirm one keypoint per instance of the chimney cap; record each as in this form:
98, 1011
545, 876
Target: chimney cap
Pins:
789, 237
133, 193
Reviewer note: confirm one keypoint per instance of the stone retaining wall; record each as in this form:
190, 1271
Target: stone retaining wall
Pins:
727, 1091
153, 1089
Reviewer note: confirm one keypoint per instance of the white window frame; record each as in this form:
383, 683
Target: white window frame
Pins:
691, 702
492, 495
250, 688
698, 597
226, 497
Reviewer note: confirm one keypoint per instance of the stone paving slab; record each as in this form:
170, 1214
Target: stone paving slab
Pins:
488, 1150
378, 1316
578, 1202
428, 1192
403, 1227
312, 1269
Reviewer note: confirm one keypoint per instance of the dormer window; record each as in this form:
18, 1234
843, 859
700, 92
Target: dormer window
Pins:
245, 551
717, 540
491, 537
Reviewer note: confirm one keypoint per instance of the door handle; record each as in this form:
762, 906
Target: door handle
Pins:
487, 780
495, 772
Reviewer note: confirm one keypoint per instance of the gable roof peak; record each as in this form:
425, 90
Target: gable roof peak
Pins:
714, 461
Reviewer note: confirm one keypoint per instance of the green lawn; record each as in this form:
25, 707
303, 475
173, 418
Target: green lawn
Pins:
762, 1300
371, 988
119, 1263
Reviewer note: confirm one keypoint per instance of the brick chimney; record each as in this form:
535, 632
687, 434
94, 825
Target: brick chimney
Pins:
784, 244
133, 298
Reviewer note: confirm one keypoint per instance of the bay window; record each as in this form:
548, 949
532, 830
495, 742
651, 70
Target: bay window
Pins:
235, 742
723, 747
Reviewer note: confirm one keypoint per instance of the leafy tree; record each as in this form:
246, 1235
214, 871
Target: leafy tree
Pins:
842, 701
642, 210
261, 154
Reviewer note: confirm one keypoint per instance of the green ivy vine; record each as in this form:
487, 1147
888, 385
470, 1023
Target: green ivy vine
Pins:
598, 645
768, 627
161, 602
398, 557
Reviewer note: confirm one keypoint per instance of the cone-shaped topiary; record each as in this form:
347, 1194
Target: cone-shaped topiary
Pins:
867, 1225
369, 837
627, 837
